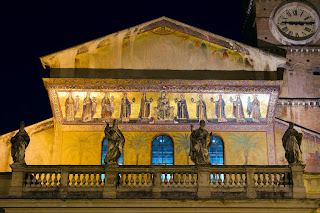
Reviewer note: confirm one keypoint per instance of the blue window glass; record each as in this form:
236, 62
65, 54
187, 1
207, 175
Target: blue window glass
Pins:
105, 150
162, 150
216, 151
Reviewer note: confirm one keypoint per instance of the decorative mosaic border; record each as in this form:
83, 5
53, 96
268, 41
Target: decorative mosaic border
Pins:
187, 30
103, 82
186, 128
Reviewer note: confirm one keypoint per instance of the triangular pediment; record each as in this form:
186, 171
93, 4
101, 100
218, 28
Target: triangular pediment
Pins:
164, 43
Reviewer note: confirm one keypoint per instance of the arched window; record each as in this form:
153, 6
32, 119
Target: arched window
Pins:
162, 150
104, 151
216, 151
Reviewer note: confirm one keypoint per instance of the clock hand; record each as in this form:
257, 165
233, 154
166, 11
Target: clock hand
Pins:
298, 23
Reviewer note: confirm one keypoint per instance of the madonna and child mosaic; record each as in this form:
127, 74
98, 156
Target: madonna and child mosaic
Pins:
162, 107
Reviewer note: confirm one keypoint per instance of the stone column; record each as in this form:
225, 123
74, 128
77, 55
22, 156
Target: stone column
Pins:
110, 184
298, 188
156, 189
64, 179
17, 180
203, 191
251, 188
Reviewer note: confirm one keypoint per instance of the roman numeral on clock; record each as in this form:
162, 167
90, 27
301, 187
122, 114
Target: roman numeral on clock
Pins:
285, 29
295, 11
307, 29
297, 35
290, 33
307, 18
288, 13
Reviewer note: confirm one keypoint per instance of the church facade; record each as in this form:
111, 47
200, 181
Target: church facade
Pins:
159, 78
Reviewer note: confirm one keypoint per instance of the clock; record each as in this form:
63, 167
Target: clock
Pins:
295, 23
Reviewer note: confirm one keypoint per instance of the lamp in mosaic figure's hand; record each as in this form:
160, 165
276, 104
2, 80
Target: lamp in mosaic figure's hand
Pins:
200, 142
19, 144
116, 142
291, 142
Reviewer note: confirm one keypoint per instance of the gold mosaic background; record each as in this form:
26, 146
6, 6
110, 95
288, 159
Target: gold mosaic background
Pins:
135, 107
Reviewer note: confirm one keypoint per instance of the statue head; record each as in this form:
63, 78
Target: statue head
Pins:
202, 123
115, 123
291, 125
163, 94
22, 125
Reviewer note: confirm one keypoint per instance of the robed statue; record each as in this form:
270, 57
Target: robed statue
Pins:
19, 143
291, 142
115, 143
200, 142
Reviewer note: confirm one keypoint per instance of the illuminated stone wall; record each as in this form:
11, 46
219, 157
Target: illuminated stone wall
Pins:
164, 44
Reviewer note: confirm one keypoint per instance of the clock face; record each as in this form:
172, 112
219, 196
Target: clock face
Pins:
296, 23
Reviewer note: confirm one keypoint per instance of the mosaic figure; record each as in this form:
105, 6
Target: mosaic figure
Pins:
107, 108
115, 143
87, 109
219, 109
291, 142
19, 144
237, 108
182, 110
70, 108
163, 110
201, 108
145, 107
94, 106
200, 142
125, 108
254, 108
76, 105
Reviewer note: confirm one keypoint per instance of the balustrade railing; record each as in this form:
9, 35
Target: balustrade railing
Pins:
154, 181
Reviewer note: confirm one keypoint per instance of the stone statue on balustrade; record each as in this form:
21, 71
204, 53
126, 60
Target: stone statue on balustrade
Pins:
291, 142
19, 144
115, 144
200, 142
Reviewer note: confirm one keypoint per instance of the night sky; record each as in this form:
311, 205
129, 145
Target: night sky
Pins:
31, 30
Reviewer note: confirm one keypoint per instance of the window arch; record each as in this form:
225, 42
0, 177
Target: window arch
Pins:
162, 150
216, 151
104, 151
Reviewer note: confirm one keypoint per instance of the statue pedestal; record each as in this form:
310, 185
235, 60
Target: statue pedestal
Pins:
17, 180
298, 188
203, 191
110, 184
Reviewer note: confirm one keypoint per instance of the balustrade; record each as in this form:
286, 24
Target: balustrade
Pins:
103, 182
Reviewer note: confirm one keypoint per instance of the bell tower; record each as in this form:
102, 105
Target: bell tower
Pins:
290, 29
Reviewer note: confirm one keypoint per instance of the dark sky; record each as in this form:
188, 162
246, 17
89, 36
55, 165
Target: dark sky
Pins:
31, 29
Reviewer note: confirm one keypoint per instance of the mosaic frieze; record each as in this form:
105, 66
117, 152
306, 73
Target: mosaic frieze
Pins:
162, 104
